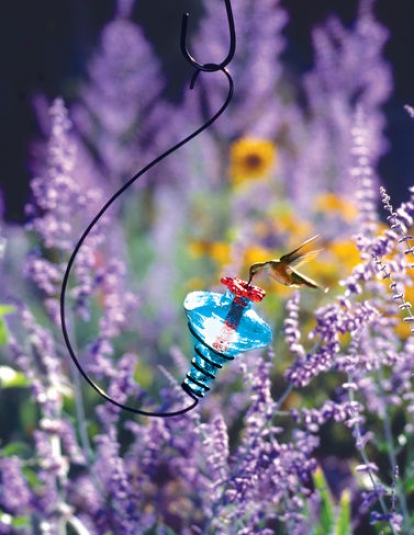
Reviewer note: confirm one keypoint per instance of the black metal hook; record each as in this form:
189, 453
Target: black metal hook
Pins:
209, 67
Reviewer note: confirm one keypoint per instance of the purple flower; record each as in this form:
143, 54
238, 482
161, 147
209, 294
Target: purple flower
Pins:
349, 73
59, 208
121, 387
393, 519
87, 497
66, 433
291, 327
331, 321
33, 352
256, 67
369, 498
50, 456
216, 447
15, 496
117, 302
58, 195
314, 418
170, 455
364, 181
349, 69
272, 470
125, 84
110, 471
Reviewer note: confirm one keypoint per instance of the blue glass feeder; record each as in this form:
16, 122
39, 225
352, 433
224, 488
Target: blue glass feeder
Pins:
222, 325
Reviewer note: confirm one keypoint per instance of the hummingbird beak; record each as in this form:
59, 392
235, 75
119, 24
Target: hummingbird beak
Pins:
251, 275
256, 269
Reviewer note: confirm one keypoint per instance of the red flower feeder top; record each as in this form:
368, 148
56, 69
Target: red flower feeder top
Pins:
241, 288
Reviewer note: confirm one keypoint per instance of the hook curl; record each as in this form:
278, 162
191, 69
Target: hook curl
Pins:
210, 67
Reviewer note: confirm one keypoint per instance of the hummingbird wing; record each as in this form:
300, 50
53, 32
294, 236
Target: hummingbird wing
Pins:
301, 280
302, 254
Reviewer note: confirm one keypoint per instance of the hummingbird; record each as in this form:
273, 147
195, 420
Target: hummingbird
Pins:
282, 271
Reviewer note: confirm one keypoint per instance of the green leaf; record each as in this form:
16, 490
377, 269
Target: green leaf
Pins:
10, 377
327, 507
343, 522
20, 521
29, 416
16, 522
409, 485
19, 449
168, 531
3, 333
4, 310
31, 477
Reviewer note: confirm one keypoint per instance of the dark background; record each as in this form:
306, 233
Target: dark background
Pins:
45, 45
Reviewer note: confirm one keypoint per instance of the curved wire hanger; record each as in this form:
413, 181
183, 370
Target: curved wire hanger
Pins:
208, 67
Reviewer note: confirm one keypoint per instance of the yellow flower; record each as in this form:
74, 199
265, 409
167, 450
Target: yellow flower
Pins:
283, 230
346, 254
194, 284
254, 254
251, 158
332, 203
218, 251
